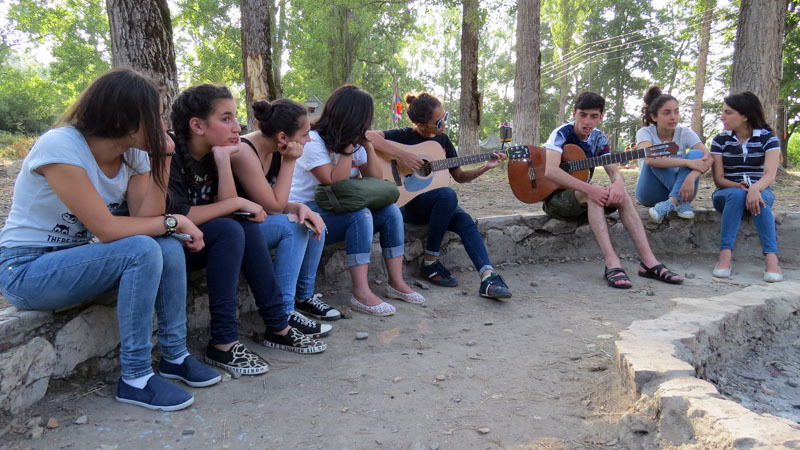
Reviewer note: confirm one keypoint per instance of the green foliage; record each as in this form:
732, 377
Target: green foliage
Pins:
30, 102
790, 84
15, 146
794, 151
78, 32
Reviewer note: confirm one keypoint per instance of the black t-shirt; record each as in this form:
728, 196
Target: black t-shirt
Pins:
409, 136
191, 183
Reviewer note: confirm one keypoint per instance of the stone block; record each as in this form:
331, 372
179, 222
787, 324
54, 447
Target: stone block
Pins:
519, 232
92, 333
25, 373
17, 327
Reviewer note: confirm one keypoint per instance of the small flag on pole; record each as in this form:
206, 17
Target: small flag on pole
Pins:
397, 108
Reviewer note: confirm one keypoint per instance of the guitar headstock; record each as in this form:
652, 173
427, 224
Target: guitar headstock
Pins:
661, 150
518, 152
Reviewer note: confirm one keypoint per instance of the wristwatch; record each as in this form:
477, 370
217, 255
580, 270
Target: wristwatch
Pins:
171, 223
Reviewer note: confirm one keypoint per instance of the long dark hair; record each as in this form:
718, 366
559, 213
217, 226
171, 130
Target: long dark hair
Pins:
115, 105
747, 104
196, 101
420, 107
281, 115
654, 100
345, 119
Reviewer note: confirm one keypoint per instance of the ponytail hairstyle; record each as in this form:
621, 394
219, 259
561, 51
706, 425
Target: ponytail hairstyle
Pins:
345, 119
747, 104
654, 100
420, 107
117, 104
196, 101
281, 115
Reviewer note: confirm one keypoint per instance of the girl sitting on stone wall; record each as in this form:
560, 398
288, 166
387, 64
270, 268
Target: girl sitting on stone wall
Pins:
112, 148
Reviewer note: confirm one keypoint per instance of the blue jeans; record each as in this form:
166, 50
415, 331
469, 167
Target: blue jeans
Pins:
149, 273
232, 245
440, 211
731, 202
356, 229
657, 184
296, 258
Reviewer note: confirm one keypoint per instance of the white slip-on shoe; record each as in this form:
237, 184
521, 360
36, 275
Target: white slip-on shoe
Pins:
412, 297
722, 273
772, 277
381, 309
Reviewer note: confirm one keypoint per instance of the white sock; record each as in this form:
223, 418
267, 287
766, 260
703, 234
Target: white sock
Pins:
177, 361
138, 383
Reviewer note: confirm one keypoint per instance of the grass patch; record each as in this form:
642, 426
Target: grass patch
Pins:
15, 146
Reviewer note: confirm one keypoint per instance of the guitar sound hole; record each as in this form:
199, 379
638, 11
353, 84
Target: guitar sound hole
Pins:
425, 170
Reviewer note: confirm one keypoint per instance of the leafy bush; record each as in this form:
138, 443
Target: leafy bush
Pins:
794, 150
15, 146
29, 102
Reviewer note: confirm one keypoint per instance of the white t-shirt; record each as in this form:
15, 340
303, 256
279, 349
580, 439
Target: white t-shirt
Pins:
315, 154
38, 218
684, 137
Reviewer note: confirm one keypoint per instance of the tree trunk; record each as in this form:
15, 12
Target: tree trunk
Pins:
469, 114
780, 130
757, 52
702, 58
256, 55
278, 38
141, 37
528, 74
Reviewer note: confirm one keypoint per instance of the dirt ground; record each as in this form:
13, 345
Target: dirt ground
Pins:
535, 372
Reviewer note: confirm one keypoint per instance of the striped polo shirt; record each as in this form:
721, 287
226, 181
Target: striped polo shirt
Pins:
744, 159
595, 145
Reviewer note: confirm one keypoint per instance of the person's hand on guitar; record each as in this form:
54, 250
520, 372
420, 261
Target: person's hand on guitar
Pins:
410, 160
496, 159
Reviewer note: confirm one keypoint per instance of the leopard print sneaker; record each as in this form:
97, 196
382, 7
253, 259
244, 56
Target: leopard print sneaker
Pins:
237, 359
294, 341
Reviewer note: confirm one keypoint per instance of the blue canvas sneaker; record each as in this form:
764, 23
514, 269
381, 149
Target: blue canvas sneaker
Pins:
660, 210
191, 371
158, 394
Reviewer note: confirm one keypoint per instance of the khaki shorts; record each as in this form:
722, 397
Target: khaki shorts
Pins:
563, 205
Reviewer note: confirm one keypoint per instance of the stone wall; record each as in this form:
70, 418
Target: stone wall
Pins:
36, 346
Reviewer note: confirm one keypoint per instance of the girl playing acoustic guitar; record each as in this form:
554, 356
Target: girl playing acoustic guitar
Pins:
439, 208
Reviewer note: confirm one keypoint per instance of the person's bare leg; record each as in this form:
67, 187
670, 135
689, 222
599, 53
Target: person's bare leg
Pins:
361, 290
772, 262
633, 223
394, 267
725, 258
597, 221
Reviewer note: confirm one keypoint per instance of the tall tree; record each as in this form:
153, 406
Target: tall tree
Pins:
527, 79
789, 109
259, 83
470, 97
707, 7
141, 37
757, 51
278, 13
566, 21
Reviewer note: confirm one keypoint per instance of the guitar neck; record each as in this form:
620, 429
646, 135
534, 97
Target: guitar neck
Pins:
449, 163
609, 158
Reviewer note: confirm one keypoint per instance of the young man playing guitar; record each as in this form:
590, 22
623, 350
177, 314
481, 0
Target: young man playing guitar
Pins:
438, 208
580, 200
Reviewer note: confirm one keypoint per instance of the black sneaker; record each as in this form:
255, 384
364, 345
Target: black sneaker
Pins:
237, 359
294, 341
438, 274
317, 308
494, 287
310, 328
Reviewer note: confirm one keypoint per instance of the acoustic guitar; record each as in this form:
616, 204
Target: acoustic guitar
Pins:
529, 184
434, 171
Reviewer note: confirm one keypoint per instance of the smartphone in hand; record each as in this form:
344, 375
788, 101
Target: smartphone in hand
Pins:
242, 215
310, 225
183, 237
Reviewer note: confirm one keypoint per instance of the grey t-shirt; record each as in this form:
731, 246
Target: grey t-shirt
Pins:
684, 137
38, 218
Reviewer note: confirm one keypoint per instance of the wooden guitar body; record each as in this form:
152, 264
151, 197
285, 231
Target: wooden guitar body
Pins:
527, 179
413, 183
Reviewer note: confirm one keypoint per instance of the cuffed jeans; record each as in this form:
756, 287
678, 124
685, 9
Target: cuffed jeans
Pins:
149, 273
297, 256
440, 211
231, 246
356, 229
732, 203
657, 184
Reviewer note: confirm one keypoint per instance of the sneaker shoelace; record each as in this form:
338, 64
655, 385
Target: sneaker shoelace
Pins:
303, 320
317, 303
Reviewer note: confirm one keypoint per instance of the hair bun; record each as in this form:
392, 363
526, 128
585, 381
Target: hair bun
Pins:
410, 98
262, 110
652, 93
